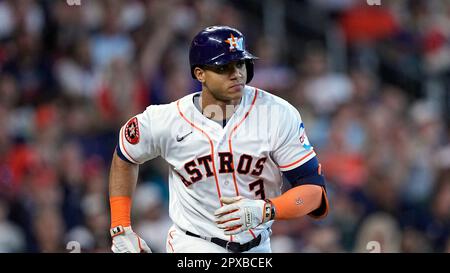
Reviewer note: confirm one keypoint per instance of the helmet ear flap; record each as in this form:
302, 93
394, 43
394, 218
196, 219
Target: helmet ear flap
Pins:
249, 67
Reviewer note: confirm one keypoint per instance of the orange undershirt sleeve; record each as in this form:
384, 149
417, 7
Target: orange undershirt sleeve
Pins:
302, 200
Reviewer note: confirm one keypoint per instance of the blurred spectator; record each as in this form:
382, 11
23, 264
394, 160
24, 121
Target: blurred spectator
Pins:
111, 43
428, 131
73, 183
342, 155
325, 90
149, 211
282, 244
414, 241
438, 229
24, 14
447, 248
269, 73
76, 73
366, 24
383, 230
323, 240
49, 230
11, 236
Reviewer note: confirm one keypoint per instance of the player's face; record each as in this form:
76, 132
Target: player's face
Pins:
226, 82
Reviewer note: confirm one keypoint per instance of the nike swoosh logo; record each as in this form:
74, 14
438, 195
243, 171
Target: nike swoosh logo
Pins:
179, 139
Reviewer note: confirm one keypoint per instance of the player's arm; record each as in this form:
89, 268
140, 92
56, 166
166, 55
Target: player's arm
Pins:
136, 144
300, 201
122, 182
298, 162
307, 195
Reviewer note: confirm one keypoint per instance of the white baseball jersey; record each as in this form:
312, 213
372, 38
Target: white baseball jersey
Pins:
264, 137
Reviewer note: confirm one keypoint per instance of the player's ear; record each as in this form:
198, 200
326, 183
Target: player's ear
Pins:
199, 74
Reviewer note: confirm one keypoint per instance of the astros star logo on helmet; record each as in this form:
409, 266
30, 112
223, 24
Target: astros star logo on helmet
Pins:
236, 43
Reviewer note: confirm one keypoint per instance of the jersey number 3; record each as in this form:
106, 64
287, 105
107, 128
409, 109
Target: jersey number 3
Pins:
258, 187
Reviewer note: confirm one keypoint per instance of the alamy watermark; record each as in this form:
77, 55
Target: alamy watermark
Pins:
74, 247
373, 2
73, 2
373, 247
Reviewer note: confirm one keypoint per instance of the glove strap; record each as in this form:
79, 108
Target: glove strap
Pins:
269, 210
116, 231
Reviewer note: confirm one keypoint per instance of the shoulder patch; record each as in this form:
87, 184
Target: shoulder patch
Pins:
303, 138
132, 131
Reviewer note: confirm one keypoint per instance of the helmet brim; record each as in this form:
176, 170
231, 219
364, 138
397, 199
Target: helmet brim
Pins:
223, 58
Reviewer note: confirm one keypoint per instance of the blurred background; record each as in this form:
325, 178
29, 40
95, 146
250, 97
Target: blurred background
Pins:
372, 84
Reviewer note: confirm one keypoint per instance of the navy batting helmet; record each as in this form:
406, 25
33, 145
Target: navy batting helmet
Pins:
219, 45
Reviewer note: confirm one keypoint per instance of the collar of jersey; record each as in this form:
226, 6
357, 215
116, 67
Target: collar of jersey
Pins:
195, 116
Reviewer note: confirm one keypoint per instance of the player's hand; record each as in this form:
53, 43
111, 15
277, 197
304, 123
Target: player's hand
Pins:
239, 214
124, 240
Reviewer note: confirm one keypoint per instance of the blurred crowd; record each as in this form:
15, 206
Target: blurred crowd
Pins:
372, 84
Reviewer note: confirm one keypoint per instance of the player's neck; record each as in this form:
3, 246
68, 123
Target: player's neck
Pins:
211, 105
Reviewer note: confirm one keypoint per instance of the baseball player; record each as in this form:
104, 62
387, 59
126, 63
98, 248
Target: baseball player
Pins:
228, 148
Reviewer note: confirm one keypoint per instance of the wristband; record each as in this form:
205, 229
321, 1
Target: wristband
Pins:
271, 207
120, 211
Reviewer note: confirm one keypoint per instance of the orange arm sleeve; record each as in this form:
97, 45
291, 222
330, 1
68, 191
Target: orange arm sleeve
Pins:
120, 211
300, 201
